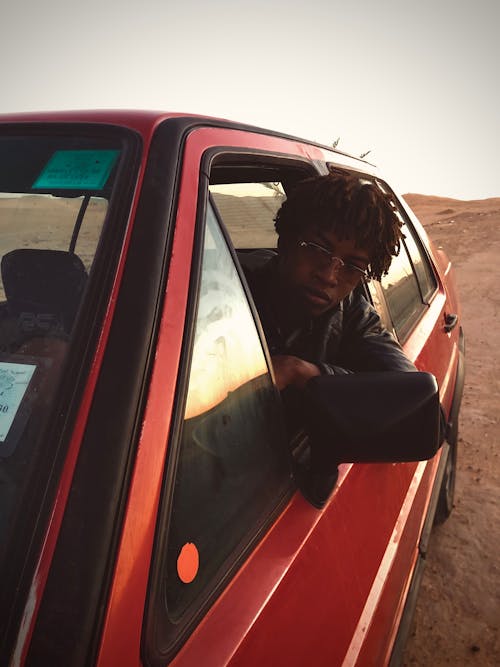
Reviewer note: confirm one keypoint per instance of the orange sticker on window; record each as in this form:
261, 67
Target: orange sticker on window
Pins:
188, 563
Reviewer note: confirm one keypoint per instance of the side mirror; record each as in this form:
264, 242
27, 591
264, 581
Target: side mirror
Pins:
367, 418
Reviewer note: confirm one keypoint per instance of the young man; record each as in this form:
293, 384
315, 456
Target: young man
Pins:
333, 231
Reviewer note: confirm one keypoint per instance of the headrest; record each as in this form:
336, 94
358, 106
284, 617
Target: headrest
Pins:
43, 287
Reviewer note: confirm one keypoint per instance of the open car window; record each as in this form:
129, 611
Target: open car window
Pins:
248, 211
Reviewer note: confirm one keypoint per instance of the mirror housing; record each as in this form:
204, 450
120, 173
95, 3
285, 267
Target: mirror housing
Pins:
386, 417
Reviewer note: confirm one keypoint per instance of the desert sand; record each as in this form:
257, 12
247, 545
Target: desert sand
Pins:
457, 620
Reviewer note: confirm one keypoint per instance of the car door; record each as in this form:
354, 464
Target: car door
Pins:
243, 570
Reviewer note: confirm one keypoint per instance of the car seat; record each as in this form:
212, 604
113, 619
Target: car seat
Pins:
43, 290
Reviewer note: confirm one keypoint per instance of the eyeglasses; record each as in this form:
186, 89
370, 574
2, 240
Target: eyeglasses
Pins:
321, 255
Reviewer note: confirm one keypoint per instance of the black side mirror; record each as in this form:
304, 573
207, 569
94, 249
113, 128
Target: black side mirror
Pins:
367, 418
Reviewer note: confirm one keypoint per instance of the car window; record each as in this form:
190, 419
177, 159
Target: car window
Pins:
248, 211
57, 195
410, 281
402, 293
422, 267
229, 462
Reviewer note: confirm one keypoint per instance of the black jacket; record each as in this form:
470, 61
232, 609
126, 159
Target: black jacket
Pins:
348, 338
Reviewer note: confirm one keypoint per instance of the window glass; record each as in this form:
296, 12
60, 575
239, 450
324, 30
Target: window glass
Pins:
54, 194
423, 270
44, 222
402, 294
232, 467
248, 211
379, 303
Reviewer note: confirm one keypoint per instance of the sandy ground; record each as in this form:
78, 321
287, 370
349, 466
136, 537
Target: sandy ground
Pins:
457, 620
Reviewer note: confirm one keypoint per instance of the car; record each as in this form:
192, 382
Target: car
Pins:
152, 505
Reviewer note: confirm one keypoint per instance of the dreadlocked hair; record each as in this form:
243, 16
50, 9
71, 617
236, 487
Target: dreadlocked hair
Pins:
350, 206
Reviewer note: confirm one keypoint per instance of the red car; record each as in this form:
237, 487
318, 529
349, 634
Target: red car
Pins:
148, 513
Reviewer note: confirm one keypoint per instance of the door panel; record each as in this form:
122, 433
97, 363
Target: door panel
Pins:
303, 590
307, 585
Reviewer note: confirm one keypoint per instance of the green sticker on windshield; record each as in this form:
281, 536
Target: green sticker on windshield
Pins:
77, 170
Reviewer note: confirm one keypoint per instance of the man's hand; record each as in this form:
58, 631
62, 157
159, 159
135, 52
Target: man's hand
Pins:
292, 370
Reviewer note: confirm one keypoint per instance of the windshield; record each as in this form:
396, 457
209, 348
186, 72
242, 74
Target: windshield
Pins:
56, 198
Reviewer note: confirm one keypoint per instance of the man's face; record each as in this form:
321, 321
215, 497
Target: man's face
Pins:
312, 278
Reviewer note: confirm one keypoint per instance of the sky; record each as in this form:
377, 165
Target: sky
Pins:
415, 83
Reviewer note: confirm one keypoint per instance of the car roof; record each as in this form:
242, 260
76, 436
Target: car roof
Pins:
145, 121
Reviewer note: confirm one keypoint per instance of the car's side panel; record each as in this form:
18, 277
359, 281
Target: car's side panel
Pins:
333, 612
395, 587
293, 599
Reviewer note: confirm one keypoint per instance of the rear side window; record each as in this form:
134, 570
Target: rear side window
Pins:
402, 294
229, 464
408, 285
423, 270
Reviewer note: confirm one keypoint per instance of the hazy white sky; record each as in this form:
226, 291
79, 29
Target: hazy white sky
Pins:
417, 83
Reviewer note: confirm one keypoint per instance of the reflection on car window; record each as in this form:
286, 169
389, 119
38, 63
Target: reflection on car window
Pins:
402, 294
232, 467
425, 275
